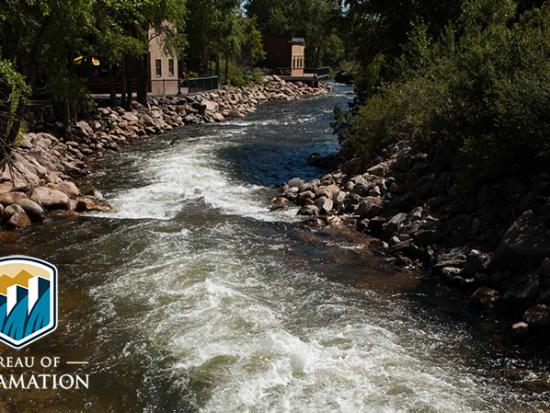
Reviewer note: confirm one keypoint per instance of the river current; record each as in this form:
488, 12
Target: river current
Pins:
191, 296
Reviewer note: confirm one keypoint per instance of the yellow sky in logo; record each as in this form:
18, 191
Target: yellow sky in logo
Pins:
19, 273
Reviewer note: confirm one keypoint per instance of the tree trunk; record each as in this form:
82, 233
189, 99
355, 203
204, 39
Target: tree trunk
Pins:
142, 80
226, 69
124, 82
128, 86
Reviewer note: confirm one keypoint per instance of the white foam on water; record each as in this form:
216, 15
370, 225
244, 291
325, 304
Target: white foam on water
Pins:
186, 172
270, 339
254, 334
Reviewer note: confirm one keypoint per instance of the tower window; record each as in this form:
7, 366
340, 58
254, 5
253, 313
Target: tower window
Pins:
158, 67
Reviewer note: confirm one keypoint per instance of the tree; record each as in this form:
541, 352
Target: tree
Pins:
217, 29
43, 37
318, 21
13, 92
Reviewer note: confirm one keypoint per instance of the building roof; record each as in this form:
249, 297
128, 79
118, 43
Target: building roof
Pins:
297, 40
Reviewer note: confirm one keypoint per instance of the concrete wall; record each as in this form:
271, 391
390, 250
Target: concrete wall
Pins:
165, 82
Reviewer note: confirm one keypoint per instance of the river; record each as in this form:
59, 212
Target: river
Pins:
193, 297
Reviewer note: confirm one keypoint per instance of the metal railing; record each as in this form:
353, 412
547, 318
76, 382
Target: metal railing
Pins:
199, 84
320, 72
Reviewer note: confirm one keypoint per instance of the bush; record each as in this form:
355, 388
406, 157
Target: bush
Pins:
13, 93
482, 90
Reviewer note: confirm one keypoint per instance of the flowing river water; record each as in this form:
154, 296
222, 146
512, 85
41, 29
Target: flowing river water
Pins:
193, 297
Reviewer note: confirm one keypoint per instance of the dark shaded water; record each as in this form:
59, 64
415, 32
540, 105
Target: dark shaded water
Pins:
192, 296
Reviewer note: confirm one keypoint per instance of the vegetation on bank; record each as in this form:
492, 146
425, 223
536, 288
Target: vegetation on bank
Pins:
477, 87
48, 48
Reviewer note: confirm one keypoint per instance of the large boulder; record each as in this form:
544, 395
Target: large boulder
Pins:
11, 197
32, 209
524, 290
324, 204
537, 315
85, 128
209, 105
50, 198
309, 210
476, 262
131, 118
67, 187
18, 220
486, 297
370, 207
524, 245
89, 203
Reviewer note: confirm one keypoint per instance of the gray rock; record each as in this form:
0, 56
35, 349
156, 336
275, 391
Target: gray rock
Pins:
11, 210
323, 191
324, 204
370, 207
486, 297
378, 170
66, 187
279, 202
520, 329
524, 245
309, 210
50, 198
296, 182
454, 258
18, 220
524, 290
537, 315
32, 209
476, 261
11, 197
362, 189
394, 224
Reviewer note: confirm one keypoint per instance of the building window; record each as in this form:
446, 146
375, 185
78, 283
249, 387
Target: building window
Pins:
158, 67
171, 67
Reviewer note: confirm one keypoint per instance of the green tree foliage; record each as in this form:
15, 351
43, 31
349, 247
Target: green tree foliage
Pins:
217, 30
43, 37
480, 90
318, 21
13, 92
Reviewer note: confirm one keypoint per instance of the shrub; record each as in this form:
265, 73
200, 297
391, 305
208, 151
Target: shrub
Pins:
482, 90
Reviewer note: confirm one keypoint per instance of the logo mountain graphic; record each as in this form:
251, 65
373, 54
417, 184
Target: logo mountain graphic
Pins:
28, 300
22, 278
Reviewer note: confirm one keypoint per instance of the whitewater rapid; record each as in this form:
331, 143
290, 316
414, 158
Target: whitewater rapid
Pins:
245, 325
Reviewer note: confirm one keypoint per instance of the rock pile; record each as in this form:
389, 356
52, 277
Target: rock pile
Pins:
40, 177
495, 245
39, 180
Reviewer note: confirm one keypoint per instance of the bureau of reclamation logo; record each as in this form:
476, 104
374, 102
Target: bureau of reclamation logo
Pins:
28, 300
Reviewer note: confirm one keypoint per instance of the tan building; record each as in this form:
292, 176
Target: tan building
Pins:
163, 63
297, 50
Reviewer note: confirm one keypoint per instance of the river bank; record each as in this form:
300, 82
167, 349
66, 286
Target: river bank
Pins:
492, 246
40, 179
191, 295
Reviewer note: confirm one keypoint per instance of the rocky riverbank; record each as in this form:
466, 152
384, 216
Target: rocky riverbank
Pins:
493, 245
40, 179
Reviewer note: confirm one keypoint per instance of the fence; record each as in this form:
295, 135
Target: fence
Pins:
199, 84
320, 72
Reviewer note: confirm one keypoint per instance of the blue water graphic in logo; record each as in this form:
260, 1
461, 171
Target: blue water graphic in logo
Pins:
28, 300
